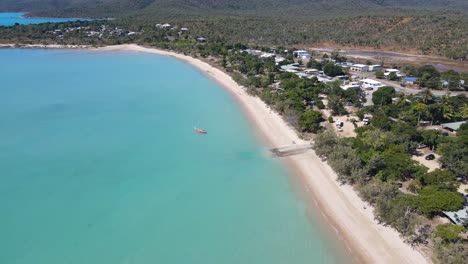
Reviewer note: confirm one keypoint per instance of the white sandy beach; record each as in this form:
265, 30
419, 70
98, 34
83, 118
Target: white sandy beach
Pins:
368, 240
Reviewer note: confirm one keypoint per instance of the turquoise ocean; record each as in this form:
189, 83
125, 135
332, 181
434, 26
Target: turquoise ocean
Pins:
9, 19
100, 164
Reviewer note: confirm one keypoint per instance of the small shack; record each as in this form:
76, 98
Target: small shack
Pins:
459, 217
453, 126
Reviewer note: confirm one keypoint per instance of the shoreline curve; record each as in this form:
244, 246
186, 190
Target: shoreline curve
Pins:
365, 238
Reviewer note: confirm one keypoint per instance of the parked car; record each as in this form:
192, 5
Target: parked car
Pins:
339, 123
430, 157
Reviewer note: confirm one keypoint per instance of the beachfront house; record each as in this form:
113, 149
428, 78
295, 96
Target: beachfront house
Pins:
369, 84
360, 67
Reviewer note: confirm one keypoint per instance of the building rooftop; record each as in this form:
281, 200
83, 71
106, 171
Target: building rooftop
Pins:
302, 74
289, 68
453, 126
370, 81
458, 217
410, 79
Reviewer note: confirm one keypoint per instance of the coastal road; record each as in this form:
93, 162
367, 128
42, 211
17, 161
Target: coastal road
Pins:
406, 90
399, 58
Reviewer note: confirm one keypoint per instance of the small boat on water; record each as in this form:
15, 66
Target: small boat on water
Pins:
199, 130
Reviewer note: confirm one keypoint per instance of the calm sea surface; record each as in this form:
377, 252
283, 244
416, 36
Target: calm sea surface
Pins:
100, 164
9, 19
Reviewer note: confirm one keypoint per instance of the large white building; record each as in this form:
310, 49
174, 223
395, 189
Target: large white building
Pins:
370, 84
350, 85
360, 67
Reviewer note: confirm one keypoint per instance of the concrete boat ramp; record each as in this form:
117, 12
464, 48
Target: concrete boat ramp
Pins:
291, 150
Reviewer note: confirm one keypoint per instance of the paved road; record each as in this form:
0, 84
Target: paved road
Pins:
390, 57
405, 90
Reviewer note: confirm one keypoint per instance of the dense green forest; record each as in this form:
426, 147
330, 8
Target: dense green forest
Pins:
119, 8
430, 27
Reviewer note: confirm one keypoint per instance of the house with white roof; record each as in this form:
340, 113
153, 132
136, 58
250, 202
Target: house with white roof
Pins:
290, 68
360, 67
350, 85
267, 55
302, 54
370, 84
311, 71
302, 75
324, 78
387, 72
254, 52
279, 59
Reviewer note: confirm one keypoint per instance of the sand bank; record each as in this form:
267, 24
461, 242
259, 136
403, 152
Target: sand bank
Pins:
368, 240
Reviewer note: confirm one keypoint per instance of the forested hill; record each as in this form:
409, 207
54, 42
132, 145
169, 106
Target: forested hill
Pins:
119, 8
423, 26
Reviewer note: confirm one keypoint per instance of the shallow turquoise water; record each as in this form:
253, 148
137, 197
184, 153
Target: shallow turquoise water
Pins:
100, 164
9, 19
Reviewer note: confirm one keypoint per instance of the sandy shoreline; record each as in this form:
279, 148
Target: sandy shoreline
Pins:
368, 241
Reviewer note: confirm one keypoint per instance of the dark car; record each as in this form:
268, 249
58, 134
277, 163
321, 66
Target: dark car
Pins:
430, 157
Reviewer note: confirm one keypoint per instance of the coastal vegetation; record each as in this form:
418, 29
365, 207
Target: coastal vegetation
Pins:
428, 76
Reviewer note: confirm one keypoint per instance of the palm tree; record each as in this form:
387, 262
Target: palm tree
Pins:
446, 107
426, 95
420, 108
447, 111
463, 111
401, 100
